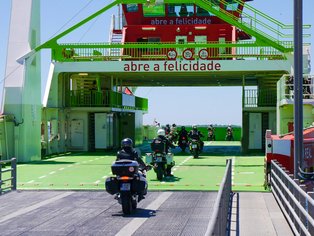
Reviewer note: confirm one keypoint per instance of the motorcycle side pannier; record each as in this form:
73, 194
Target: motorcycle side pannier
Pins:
169, 158
138, 185
112, 185
149, 158
125, 168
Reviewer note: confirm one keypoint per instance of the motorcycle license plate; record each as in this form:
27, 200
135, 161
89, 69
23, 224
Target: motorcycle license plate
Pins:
194, 146
158, 159
125, 187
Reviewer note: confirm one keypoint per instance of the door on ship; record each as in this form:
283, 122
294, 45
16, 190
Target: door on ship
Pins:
199, 39
255, 130
181, 40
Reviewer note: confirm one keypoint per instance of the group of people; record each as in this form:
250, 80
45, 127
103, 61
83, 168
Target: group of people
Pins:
166, 137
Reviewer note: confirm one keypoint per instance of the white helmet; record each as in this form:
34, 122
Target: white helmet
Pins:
161, 132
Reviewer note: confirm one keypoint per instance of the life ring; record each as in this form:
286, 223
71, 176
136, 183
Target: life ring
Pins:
67, 53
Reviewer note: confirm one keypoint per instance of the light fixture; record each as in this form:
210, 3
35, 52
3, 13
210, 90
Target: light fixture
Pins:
83, 74
200, 27
149, 28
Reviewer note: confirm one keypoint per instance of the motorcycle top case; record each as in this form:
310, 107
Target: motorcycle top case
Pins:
112, 185
124, 168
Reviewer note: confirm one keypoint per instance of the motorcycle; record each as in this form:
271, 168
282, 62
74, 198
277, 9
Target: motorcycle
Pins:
211, 135
183, 143
195, 148
128, 185
229, 136
160, 162
172, 137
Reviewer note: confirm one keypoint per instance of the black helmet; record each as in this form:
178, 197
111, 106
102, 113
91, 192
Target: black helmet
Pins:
174, 125
167, 125
183, 127
127, 142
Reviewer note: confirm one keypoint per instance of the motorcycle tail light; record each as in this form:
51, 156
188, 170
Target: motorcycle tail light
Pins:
124, 178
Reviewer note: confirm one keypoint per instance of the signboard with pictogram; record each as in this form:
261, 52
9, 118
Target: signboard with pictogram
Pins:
187, 54
203, 54
172, 54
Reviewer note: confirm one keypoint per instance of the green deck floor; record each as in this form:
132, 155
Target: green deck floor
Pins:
89, 171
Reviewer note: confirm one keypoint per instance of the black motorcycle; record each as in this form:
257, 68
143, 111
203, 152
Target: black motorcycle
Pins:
183, 142
195, 148
211, 135
128, 184
160, 162
229, 136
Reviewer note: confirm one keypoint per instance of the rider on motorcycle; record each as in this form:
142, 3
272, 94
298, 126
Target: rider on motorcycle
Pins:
196, 134
167, 129
229, 133
211, 133
162, 144
183, 135
127, 152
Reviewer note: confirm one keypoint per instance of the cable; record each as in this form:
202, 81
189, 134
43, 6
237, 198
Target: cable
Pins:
5, 77
75, 15
89, 28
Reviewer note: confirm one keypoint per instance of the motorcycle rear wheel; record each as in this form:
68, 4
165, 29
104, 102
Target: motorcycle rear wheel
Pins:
159, 172
126, 201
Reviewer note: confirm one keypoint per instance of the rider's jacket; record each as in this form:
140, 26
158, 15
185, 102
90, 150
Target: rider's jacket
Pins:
195, 134
161, 144
130, 154
183, 133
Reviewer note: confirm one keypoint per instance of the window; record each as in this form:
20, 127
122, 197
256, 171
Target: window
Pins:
131, 7
152, 10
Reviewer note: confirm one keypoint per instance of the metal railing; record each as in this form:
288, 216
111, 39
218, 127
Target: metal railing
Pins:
218, 222
296, 204
106, 98
10, 180
159, 51
259, 98
286, 87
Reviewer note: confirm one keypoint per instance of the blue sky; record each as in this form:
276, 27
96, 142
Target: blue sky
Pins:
180, 105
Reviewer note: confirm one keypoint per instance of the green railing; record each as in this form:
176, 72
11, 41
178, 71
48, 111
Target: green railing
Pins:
90, 98
259, 98
286, 87
159, 51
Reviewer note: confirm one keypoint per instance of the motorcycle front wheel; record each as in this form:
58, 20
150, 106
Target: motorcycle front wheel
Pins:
126, 201
195, 153
159, 172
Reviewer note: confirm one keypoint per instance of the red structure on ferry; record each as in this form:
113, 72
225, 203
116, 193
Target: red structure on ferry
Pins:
181, 24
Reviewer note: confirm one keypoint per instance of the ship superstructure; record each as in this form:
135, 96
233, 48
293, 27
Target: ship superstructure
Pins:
90, 104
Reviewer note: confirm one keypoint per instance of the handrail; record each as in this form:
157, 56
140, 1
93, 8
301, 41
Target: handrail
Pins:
218, 222
295, 203
152, 51
12, 179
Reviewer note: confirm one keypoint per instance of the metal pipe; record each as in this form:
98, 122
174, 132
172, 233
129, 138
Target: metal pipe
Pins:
298, 91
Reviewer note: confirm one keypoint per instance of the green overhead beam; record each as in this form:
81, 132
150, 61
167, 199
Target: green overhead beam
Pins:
262, 38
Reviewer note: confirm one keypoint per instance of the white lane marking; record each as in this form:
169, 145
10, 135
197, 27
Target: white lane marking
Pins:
61, 169
232, 170
104, 177
31, 181
97, 182
33, 207
52, 172
134, 224
41, 177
